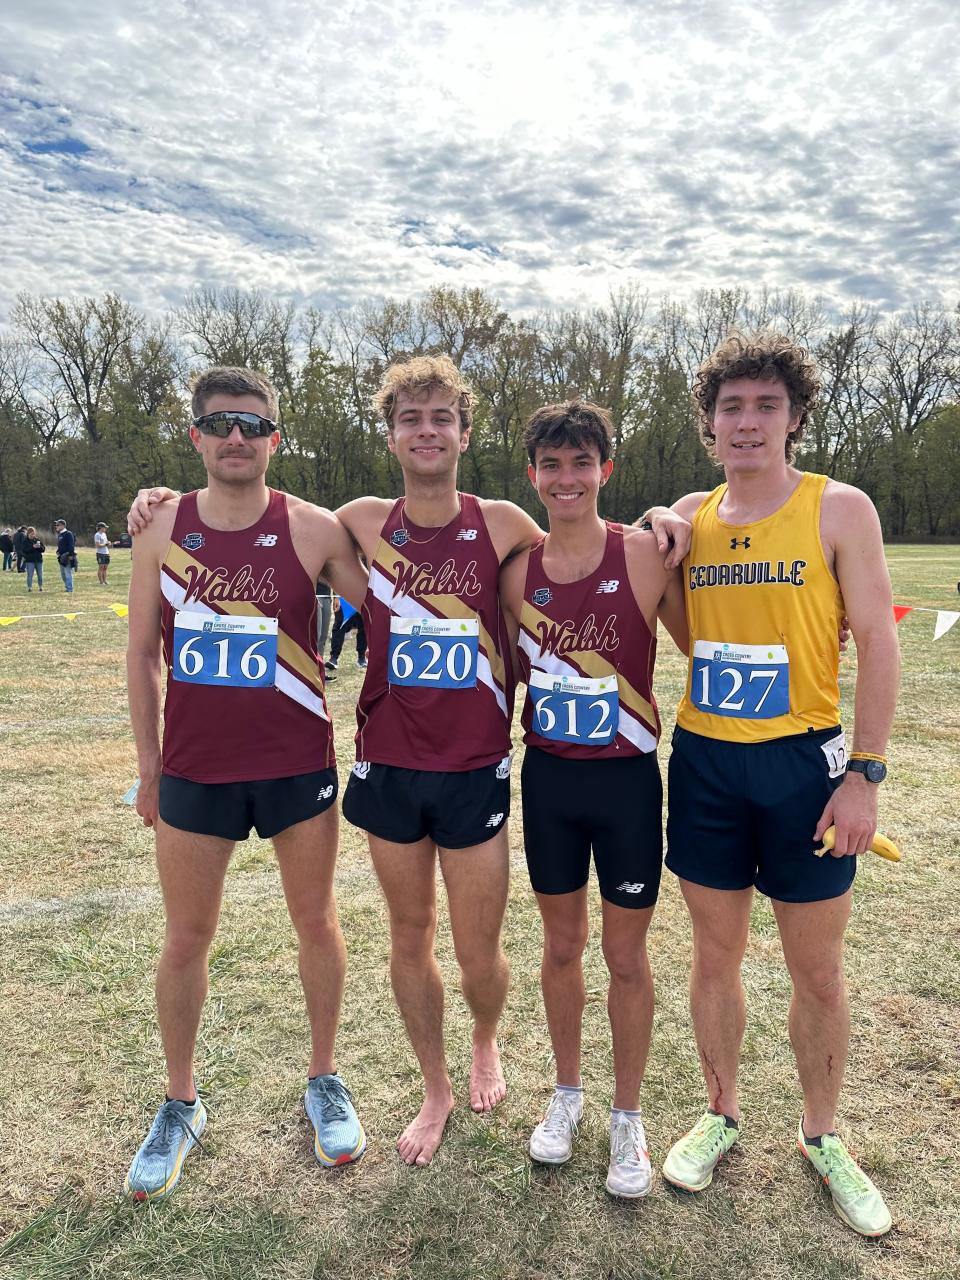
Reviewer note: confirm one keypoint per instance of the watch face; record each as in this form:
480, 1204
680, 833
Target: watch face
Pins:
876, 770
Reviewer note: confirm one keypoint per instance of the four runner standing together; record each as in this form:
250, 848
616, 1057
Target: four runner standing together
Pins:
777, 557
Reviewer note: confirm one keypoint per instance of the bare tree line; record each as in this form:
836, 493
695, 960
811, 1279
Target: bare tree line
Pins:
93, 399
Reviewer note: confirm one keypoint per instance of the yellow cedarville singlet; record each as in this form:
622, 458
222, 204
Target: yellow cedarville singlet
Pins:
764, 610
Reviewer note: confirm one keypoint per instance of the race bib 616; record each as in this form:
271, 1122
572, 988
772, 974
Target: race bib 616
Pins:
434, 653
220, 649
748, 681
575, 708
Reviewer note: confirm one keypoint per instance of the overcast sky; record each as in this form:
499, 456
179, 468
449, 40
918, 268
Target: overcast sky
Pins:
548, 152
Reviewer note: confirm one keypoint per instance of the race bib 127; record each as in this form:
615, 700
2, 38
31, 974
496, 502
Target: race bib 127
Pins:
434, 653
575, 708
748, 681
220, 649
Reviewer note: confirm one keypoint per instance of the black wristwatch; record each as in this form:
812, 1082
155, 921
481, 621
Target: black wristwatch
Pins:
872, 770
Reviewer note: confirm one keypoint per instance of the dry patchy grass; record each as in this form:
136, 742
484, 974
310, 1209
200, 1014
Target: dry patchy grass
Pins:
82, 1056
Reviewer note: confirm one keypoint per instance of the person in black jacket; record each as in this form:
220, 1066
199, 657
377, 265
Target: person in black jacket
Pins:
6, 548
19, 538
66, 553
33, 549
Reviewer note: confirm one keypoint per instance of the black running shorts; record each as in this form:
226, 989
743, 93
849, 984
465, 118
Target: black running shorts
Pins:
612, 806
744, 813
456, 810
230, 809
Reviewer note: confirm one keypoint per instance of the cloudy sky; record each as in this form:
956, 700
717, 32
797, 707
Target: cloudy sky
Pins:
332, 153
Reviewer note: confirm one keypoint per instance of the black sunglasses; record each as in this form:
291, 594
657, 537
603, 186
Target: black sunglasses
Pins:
221, 424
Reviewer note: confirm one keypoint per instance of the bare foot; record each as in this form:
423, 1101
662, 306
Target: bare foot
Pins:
419, 1141
487, 1085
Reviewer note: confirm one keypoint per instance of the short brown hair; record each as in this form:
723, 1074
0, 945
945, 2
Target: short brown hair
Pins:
419, 377
765, 356
575, 423
232, 380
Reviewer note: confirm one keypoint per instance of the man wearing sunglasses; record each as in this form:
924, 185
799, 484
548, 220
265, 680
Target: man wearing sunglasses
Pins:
223, 585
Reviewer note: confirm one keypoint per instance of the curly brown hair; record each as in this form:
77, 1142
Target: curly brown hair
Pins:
419, 377
767, 356
576, 423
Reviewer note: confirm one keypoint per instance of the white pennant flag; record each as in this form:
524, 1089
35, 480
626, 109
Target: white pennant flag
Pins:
945, 620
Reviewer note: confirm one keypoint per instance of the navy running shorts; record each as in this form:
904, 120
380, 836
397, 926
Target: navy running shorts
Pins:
612, 806
744, 813
456, 810
230, 809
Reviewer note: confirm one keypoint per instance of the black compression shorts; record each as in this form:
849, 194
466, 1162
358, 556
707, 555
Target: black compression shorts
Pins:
612, 806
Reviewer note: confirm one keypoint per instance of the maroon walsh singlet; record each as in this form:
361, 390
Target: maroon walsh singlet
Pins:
228, 731
438, 693
586, 655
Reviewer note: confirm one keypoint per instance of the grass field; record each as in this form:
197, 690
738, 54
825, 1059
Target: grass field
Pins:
82, 1069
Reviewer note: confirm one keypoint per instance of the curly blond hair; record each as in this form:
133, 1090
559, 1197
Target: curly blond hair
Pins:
765, 356
419, 377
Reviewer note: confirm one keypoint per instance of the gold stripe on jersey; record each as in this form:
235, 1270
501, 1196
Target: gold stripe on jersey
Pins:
447, 606
177, 561
591, 664
766, 583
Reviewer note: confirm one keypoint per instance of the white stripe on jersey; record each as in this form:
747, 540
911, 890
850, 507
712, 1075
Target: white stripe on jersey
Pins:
407, 607
633, 729
287, 682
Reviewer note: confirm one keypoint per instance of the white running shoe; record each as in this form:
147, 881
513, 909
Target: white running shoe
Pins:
629, 1173
552, 1140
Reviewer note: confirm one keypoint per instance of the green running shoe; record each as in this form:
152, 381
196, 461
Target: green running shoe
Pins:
855, 1198
156, 1167
692, 1159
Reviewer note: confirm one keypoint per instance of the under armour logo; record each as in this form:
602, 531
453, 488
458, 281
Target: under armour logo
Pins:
734, 543
265, 540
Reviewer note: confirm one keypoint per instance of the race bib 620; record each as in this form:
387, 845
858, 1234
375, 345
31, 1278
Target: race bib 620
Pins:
748, 681
220, 649
434, 653
575, 709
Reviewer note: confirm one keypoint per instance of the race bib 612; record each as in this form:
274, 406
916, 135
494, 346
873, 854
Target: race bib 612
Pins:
575, 708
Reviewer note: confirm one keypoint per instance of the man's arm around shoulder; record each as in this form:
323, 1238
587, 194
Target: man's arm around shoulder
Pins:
510, 527
326, 549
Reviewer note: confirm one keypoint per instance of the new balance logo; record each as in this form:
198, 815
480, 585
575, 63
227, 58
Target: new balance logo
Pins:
495, 819
325, 792
265, 540
627, 887
734, 543
607, 586
467, 535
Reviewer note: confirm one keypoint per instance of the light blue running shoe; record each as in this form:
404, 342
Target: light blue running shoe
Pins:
339, 1136
156, 1167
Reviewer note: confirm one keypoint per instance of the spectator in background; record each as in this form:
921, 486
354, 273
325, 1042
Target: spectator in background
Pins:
324, 613
19, 538
33, 549
101, 545
6, 547
341, 625
66, 553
